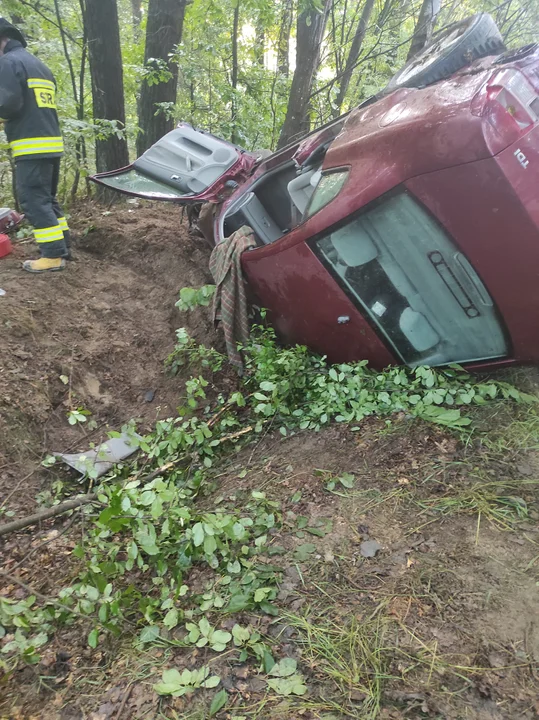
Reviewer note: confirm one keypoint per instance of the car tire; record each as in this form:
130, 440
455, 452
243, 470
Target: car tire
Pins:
450, 50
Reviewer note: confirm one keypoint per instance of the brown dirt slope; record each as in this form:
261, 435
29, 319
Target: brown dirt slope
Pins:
106, 323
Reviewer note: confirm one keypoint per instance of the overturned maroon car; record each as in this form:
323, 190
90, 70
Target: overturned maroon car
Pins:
406, 231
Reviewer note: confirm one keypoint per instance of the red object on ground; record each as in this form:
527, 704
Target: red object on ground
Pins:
5, 246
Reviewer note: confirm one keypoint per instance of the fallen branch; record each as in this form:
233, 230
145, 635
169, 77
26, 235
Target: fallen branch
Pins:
68, 505
47, 513
81, 500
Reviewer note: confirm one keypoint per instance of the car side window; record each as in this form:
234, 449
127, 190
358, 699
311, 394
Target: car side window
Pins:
407, 276
329, 186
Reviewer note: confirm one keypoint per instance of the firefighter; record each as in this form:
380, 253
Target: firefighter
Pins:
28, 107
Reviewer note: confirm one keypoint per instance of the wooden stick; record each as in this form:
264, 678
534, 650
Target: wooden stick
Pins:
81, 500
68, 505
47, 513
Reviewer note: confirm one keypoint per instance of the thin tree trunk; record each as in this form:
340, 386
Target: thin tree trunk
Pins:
80, 149
353, 55
235, 68
260, 41
424, 27
310, 32
164, 28
283, 48
136, 17
106, 70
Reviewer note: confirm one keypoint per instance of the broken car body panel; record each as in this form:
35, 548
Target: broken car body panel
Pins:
186, 165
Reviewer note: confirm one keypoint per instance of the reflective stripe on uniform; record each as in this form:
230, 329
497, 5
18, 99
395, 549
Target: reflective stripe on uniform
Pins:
50, 234
37, 146
62, 222
40, 82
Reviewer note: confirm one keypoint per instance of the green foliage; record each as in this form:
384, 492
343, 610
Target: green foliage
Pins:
191, 298
141, 545
28, 626
301, 390
177, 684
286, 680
203, 634
218, 702
187, 352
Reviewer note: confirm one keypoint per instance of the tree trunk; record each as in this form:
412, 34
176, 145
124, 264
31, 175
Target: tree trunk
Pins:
424, 27
283, 48
309, 34
235, 68
353, 55
106, 70
136, 17
164, 27
260, 41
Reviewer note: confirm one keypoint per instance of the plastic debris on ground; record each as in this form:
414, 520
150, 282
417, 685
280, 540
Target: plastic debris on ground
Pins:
102, 457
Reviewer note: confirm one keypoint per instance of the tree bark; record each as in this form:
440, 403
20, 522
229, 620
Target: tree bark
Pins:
283, 48
424, 27
309, 35
106, 70
353, 55
260, 40
235, 68
164, 28
136, 17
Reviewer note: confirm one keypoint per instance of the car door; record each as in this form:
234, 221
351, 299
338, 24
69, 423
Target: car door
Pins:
185, 166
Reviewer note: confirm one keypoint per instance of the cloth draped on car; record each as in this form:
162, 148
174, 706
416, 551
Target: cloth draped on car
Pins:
230, 301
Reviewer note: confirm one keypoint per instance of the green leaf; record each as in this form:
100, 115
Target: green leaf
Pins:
210, 545
218, 702
303, 551
212, 681
221, 637
171, 618
347, 480
198, 534
284, 668
316, 531
240, 634
293, 685
149, 634
93, 638
238, 602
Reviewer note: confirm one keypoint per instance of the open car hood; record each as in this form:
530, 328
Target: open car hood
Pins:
185, 166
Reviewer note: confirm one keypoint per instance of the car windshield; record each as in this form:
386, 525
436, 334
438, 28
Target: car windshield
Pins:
400, 267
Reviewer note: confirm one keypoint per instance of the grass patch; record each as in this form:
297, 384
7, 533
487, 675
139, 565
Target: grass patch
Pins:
497, 502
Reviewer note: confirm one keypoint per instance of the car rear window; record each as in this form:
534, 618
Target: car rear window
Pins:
405, 273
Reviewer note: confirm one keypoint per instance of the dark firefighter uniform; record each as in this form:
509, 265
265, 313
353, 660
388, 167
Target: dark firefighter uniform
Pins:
28, 105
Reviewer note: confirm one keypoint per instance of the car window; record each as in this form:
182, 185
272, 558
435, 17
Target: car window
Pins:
131, 181
402, 269
328, 187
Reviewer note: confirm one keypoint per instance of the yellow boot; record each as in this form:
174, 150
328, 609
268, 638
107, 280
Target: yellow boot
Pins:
44, 265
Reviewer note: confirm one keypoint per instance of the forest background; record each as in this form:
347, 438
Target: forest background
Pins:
256, 72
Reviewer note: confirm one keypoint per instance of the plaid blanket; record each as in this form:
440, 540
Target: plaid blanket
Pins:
230, 302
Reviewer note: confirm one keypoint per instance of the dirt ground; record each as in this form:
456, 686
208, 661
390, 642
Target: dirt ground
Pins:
441, 621
106, 324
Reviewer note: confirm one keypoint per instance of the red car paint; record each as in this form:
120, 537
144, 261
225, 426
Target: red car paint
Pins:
461, 149
488, 205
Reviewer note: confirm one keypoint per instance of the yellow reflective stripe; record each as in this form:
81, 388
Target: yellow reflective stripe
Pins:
49, 234
41, 82
24, 141
34, 146
62, 222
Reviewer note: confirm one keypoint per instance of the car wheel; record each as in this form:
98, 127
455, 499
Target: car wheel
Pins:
451, 49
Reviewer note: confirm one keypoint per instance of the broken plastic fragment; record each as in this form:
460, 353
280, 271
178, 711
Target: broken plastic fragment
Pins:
100, 459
